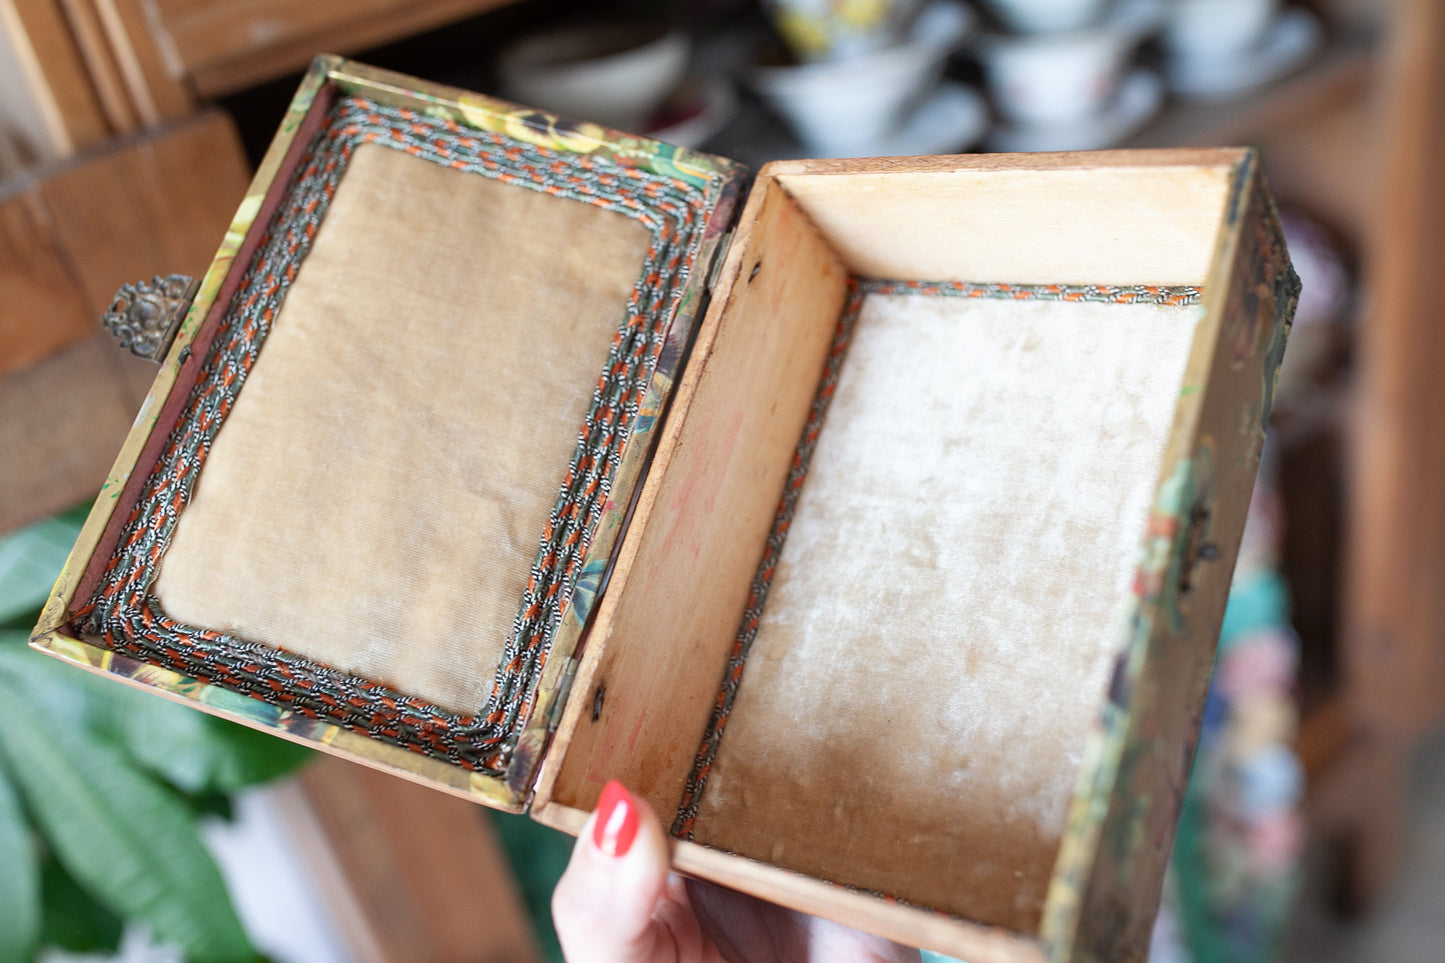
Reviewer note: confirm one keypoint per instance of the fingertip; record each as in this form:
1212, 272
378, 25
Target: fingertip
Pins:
604, 902
616, 820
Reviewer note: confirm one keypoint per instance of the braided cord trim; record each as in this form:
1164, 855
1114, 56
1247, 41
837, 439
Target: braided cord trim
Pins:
125, 612
685, 821
1165, 296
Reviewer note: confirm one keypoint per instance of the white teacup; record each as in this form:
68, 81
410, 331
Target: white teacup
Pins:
1049, 16
616, 75
846, 107
1056, 79
1218, 29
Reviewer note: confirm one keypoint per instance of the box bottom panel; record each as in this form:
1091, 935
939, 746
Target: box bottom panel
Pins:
945, 595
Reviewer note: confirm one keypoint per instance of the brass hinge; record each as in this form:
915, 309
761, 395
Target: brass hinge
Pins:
145, 315
564, 689
720, 254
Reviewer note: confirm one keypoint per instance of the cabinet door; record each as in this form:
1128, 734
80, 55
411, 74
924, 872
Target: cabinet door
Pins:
226, 45
67, 241
50, 107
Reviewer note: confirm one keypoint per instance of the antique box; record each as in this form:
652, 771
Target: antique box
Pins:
877, 533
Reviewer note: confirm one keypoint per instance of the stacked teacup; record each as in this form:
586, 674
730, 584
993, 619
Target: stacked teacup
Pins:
1218, 49
1059, 72
865, 76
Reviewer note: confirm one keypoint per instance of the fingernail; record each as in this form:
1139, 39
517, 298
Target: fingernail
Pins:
616, 825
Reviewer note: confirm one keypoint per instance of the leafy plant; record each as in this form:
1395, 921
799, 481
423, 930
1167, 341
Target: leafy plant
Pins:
102, 789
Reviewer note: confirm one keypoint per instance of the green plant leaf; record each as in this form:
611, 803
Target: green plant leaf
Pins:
245, 757
123, 836
212, 805
73, 920
30, 560
195, 752
168, 739
200, 753
19, 879
61, 691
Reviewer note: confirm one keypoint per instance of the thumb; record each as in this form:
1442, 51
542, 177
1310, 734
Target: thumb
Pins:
605, 902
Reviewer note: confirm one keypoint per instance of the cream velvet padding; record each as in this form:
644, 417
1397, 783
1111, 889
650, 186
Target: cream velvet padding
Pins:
939, 634
378, 493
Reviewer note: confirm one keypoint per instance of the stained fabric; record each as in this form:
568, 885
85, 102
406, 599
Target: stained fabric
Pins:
377, 495
938, 635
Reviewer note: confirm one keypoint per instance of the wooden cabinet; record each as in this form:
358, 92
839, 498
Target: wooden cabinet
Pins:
70, 234
1357, 138
222, 46
408, 873
1394, 628
52, 106
87, 70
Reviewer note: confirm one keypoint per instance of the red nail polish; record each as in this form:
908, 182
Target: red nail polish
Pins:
616, 825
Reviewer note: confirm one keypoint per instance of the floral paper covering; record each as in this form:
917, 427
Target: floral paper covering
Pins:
1237, 857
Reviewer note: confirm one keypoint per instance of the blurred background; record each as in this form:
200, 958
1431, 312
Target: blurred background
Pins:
1315, 823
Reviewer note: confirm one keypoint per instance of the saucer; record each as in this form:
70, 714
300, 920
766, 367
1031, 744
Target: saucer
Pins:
948, 121
1135, 20
1295, 35
1138, 99
842, 107
1140, 18
697, 109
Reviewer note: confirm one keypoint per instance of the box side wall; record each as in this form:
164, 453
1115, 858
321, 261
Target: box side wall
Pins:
527, 124
887, 918
1125, 219
1106, 892
649, 675
904, 924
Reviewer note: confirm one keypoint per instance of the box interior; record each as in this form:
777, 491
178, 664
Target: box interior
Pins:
943, 616
412, 434
938, 634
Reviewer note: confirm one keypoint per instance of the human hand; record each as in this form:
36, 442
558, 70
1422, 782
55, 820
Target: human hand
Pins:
617, 903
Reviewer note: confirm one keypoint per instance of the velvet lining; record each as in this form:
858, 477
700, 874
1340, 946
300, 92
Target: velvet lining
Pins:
941, 623
415, 404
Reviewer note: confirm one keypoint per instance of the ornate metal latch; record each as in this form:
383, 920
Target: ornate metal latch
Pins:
145, 315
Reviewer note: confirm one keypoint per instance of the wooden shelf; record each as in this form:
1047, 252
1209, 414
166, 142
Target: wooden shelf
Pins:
1323, 735
1340, 72
229, 45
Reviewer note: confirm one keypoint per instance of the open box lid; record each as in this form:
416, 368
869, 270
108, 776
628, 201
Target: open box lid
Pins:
647, 222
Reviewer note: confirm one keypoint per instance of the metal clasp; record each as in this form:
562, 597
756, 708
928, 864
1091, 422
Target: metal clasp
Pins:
1197, 547
146, 315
